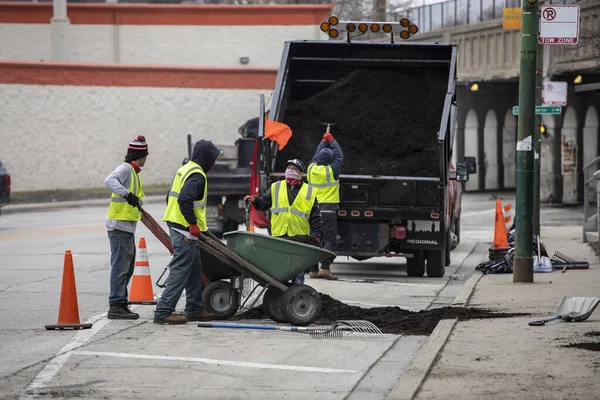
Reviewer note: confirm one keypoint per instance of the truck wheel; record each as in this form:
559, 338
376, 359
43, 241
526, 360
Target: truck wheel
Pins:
436, 263
230, 225
271, 300
457, 231
301, 305
447, 260
219, 299
415, 266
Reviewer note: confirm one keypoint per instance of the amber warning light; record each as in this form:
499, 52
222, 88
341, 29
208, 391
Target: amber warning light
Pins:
333, 27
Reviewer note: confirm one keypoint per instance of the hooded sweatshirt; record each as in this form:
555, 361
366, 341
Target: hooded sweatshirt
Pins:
205, 154
329, 153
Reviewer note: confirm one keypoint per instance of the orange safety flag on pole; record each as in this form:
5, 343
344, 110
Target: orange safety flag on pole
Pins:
277, 132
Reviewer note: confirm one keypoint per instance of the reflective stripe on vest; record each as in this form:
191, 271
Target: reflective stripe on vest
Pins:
173, 213
328, 188
291, 219
119, 209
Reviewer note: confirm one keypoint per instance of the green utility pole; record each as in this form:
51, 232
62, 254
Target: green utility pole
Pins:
537, 139
523, 262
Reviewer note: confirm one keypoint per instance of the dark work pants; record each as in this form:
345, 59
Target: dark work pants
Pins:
329, 239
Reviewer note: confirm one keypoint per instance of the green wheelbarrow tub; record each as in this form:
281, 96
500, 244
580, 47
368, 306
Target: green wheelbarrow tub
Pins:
281, 259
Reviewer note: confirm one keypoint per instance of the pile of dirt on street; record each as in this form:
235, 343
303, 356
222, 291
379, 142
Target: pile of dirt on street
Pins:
386, 122
389, 319
593, 346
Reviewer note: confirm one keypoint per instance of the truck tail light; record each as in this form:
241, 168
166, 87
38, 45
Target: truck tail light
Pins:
435, 215
8, 183
399, 232
355, 213
368, 213
342, 213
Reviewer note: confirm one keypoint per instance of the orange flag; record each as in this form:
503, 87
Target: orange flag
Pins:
277, 132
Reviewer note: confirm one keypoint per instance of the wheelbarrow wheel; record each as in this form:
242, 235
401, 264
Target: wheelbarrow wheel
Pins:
271, 300
301, 305
219, 299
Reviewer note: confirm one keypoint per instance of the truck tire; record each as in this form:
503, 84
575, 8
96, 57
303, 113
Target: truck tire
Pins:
447, 260
301, 305
415, 267
271, 300
219, 299
436, 260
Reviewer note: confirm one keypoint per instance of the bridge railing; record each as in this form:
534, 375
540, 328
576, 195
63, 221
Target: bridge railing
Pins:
452, 13
591, 197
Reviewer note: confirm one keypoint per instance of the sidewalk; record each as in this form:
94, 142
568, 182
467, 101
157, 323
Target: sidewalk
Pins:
506, 358
59, 205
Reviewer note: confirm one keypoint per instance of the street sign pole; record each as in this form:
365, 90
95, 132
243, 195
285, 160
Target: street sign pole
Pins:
537, 142
523, 261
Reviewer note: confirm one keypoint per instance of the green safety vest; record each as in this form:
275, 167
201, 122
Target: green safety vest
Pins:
119, 208
328, 188
172, 213
292, 219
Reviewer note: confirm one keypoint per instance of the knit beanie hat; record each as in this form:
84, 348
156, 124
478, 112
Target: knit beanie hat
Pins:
138, 147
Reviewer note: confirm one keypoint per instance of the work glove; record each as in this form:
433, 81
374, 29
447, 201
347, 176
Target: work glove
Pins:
194, 230
133, 200
318, 239
327, 137
249, 198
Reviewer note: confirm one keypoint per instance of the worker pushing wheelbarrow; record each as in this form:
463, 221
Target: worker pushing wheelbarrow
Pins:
269, 261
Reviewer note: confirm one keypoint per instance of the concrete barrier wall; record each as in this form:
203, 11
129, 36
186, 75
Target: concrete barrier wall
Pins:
67, 126
198, 35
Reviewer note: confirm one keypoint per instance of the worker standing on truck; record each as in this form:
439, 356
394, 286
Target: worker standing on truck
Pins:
186, 217
293, 205
324, 175
123, 214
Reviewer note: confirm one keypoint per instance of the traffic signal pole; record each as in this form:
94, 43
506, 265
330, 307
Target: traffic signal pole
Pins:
523, 261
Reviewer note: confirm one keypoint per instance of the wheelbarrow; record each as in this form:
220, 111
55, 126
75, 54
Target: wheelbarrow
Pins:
272, 263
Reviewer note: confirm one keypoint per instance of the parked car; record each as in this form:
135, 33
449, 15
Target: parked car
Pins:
4, 186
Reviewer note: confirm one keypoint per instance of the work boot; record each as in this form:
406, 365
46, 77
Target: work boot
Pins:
325, 273
200, 316
313, 275
121, 311
171, 319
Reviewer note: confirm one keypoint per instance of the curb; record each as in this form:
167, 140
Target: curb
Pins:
409, 384
61, 205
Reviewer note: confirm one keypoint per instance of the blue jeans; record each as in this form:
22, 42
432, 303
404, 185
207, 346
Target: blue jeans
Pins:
122, 264
185, 273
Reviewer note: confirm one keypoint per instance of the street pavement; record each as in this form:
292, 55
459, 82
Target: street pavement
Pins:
135, 359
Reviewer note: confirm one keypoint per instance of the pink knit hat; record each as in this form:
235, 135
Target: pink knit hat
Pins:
138, 145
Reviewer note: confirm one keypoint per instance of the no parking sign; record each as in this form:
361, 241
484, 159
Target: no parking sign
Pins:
559, 24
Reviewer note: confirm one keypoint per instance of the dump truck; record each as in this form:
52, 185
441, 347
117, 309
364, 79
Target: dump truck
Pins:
392, 108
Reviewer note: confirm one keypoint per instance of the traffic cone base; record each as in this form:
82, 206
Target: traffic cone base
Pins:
141, 283
68, 313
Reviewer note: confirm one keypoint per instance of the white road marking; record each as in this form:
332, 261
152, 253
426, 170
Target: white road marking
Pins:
80, 338
215, 362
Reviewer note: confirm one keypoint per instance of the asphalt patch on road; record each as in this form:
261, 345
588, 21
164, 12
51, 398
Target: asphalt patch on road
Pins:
592, 333
393, 133
394, 320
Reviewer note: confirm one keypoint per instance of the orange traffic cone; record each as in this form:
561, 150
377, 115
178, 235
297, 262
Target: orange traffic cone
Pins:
500, 236
68, 312
141, 284
507, 215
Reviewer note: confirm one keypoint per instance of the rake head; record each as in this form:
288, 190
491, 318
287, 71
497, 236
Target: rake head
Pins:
356, 328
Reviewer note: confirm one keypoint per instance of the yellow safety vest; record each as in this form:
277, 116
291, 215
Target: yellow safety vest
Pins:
328, 188
292, 219
172, 213
119, 209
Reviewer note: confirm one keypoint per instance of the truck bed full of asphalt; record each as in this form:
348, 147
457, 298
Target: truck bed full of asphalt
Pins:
386, 122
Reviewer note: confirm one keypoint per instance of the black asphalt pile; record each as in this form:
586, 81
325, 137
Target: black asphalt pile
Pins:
385, 121
393, 320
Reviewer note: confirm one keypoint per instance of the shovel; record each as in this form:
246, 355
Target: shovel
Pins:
571, 309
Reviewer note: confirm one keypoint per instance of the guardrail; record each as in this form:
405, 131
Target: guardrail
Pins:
591, 197
452, 13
